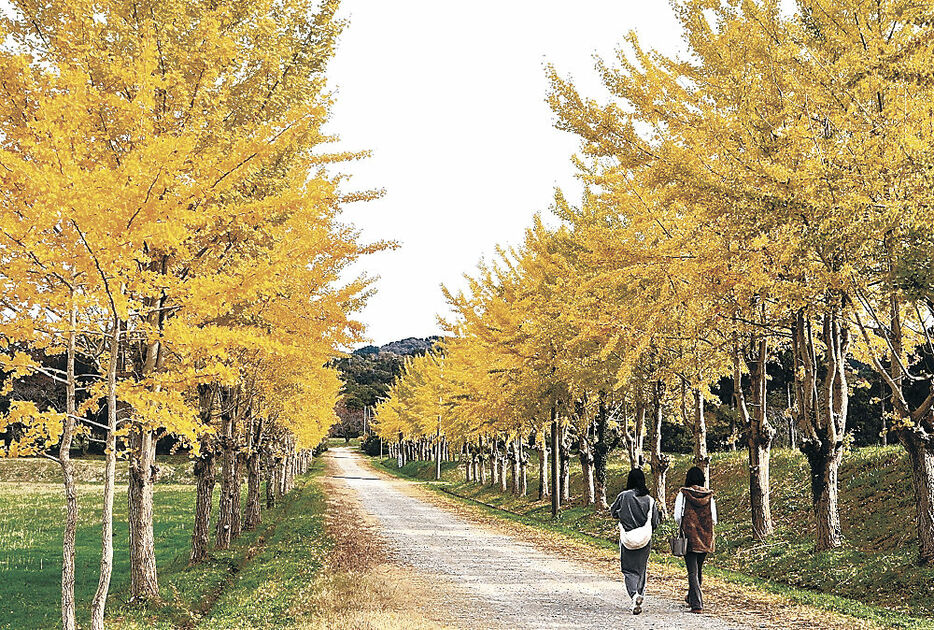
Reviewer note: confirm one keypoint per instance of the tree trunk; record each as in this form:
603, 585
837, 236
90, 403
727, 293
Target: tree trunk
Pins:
792, 442
494, 464
252, 516
204, 494
822, 411
920, 449
204, 478
699, 434
524, 470
503, 469
270, 481
99, 602
289, 473
144, 580
587, 460
143, 472
228, 470
635, 439
824, 465
516, 465
253, 513
236, 521
68, 538
281, 480
68, 479
543, 484
555, 466
601, 454
915, 432
660, 462
759, 456
759, 442
566, 465
439, 451
759, 433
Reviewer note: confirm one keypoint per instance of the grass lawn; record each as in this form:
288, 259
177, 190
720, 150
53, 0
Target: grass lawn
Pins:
271, 589
90, 469
31, 517
336, 442
874, 575
254, 584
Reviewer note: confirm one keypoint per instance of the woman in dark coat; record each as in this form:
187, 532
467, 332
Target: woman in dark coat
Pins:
637, 515
696, 513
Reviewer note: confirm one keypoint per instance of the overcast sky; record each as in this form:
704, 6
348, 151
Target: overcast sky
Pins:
450, 98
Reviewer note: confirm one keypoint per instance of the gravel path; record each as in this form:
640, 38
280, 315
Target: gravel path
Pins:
508, 582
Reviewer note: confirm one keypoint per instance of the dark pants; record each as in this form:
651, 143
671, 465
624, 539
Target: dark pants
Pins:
634, 563
695, 564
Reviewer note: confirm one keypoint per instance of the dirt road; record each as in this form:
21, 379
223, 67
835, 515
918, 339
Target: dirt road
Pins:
498, 580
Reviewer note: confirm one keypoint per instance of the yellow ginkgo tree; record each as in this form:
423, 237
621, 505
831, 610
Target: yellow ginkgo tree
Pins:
162, 185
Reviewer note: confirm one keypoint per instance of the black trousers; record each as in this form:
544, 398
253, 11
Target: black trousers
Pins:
695, 565
634, 564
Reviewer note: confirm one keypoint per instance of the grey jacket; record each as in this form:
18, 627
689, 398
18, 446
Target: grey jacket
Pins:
631, 510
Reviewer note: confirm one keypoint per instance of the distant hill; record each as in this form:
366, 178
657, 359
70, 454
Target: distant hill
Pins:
368, 373
404, 347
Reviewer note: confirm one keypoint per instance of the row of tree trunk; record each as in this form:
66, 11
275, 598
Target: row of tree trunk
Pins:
420, 450
507, 460
278, 470
818, 407
594, 447
238, 452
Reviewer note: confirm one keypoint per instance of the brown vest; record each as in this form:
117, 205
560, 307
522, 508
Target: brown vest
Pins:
697, 521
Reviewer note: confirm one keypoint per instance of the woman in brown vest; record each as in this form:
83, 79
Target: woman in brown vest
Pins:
696, 513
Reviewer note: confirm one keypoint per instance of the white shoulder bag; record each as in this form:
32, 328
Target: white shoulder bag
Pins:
639, 537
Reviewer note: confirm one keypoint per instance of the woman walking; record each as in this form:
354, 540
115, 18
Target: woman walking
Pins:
638, 516
696, 513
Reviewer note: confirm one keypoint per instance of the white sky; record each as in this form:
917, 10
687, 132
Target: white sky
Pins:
450, 98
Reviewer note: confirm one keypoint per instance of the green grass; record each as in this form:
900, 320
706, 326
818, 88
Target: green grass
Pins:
334, 442
31, 517
288, 549
875, 575
270, 590
90, 469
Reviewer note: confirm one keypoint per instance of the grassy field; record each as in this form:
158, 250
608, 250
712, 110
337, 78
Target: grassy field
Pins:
877, 566
255, 583
31, 518
334, 442
172, 469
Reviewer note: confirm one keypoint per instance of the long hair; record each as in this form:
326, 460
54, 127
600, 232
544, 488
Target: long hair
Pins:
695, 477
636, 481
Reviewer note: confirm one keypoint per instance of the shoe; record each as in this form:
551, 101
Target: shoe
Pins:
637, 604
697, 610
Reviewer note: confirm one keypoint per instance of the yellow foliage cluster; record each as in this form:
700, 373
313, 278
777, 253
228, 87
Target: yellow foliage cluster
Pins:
162, 179
771, 190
